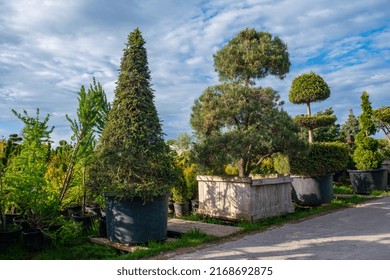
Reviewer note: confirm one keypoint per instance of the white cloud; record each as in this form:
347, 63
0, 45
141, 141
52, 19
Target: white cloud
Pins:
50, 48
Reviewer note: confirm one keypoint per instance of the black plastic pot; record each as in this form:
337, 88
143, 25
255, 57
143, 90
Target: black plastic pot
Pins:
364, 181
19, 220
182, 209
10, 235
73, 209
9, 218
136, 221
312, 190
33, 240
85, 219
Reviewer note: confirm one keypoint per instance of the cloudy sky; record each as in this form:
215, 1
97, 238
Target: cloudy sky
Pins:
49, 48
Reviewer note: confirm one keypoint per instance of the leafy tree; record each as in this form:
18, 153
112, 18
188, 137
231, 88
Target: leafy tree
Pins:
252, 55
305, 89
132, 159
91, 117
366, 155
382, 120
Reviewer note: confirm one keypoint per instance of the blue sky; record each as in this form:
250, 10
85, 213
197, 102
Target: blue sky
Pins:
50, 48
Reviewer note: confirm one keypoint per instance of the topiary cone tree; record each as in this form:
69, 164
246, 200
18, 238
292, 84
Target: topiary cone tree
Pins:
305, 89
132, 159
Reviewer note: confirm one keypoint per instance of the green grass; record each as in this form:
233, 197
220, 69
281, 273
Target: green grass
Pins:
83, 249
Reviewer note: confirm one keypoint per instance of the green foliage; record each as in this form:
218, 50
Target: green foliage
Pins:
25, 174
320, 159
365, 119
132, 159
384, 149
366, 155
252, 55
185, 186
350, 128
366, 159
240, 125
315, 121
305, 89
381, 118
91, 118
308, 88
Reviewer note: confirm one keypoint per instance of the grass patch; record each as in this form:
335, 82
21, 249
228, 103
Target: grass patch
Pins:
342, 189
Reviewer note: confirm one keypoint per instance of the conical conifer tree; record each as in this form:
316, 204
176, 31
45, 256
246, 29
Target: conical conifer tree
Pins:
132, 158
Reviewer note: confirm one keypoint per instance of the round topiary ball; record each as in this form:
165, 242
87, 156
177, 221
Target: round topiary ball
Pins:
308, 88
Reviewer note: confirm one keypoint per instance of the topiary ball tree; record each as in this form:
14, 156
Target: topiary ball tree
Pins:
132, 159
305, 89
250, 55
366, 155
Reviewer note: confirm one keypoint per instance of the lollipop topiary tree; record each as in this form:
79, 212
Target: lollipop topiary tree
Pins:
305, 89
313, 169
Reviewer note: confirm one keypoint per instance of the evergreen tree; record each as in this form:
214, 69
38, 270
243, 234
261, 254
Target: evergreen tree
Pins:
350, 128
132, 159
366, 155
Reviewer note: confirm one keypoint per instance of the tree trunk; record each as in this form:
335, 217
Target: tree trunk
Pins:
310, 128
241, 168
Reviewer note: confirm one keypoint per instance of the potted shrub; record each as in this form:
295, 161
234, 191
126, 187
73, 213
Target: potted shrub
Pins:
25, 177
185, 187
239, 123
366, 156
132, 165
313, 170
315, 167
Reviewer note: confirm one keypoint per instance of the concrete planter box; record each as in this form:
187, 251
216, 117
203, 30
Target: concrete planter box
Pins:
244, 198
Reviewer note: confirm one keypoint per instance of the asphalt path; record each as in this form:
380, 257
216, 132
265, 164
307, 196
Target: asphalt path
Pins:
359, 233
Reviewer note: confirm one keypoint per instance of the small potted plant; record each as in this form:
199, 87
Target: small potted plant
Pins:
366, 156
132, 165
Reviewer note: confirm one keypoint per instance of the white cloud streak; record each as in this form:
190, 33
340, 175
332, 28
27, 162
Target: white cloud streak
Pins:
50, 48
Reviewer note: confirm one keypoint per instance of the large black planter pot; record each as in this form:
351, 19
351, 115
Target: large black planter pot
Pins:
364, 181
10, 236
33, 240
312, 190
134, 221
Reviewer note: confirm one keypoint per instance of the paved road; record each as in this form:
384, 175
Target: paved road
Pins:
350, 234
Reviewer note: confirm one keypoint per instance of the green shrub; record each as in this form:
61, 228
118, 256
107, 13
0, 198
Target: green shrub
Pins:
366, 159
320, 159
366, 155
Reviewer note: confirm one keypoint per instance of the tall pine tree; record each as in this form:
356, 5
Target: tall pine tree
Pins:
132, 158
